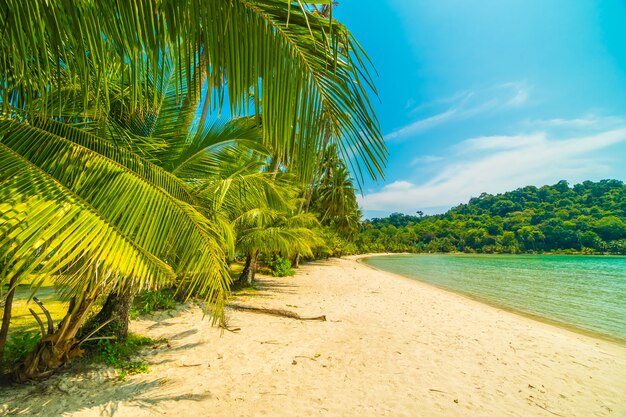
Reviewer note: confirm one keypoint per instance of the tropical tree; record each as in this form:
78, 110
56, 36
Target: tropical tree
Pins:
334, 196
302, 71
99, 219
274, 232
91, 192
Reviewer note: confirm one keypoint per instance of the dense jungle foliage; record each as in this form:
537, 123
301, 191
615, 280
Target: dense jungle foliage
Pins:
586, 218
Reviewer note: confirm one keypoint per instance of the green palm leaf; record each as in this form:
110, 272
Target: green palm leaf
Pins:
305, 75
45, 226
154, 220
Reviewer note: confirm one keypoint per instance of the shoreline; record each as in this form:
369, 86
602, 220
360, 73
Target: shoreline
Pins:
535, 317
390, 347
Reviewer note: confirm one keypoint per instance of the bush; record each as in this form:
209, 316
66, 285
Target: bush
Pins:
150, 301
20, 344
119, 355
281, 267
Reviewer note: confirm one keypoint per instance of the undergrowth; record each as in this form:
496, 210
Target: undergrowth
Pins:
122, 355
148, 302
281, 267
18, 346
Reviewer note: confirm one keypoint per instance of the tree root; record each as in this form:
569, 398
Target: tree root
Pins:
274, 312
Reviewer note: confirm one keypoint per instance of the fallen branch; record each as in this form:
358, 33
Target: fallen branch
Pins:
274, 312
551, 412
230, 329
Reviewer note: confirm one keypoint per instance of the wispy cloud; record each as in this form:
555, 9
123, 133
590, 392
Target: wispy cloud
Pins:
463, 105
426, 159
589, 122
422, 124
521, 93
491, 143
500, 163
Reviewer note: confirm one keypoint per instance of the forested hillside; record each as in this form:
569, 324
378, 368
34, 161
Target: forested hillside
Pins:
587, 218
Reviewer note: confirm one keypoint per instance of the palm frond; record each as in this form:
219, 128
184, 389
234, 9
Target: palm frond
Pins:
212, 144
47, 228
157, 222
287, 240
305, 74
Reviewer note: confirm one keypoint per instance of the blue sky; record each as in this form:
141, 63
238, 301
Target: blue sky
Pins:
492, 95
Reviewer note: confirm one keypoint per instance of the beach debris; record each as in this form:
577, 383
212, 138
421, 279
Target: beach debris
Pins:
549, 411
229, 328
275, 312
307, 357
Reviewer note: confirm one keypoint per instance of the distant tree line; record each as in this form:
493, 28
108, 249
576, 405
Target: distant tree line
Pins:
587, 218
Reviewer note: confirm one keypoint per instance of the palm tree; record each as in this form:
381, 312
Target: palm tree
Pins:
100, 219
81, 86
306, 71
271, 231
245, 191
334, 196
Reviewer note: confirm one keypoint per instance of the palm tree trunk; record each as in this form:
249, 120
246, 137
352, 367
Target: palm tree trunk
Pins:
6, 317
296, 261
57, 348
116, 310
247, 275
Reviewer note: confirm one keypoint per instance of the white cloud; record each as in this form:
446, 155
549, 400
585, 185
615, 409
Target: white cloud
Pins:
464, 105
398, 185
589, 122
426, 159
504, 163
421, 125
521, 93
484, 143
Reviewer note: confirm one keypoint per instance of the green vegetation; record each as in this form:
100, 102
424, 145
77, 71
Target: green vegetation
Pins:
19, 345
122, 171
586, 218
22, 319
148, 302
122, 355
281, 267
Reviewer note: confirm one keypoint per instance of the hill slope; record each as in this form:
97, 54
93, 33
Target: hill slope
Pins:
588, 218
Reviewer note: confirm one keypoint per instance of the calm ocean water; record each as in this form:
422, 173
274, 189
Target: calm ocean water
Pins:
584, 292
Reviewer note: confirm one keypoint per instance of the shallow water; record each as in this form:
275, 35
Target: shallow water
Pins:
584, 292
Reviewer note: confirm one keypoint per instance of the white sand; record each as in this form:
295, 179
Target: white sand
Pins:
390, 347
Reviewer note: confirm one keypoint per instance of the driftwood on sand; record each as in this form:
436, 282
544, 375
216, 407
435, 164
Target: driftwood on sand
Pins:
274, 312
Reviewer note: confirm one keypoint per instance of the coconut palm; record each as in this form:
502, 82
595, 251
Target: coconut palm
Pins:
87, 193
306, 71
334, 196
272, 231
244, 190
99, 218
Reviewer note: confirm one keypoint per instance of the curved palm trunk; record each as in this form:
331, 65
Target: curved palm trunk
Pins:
249, 269
6, 317
58, 347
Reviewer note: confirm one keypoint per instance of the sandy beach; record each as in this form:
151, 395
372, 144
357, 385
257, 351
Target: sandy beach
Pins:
390, 347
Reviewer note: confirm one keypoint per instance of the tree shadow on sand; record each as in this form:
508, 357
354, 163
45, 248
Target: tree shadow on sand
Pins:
76, 394
96, 387
77, 390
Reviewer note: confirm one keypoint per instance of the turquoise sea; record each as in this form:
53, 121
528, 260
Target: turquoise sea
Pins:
587, 293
